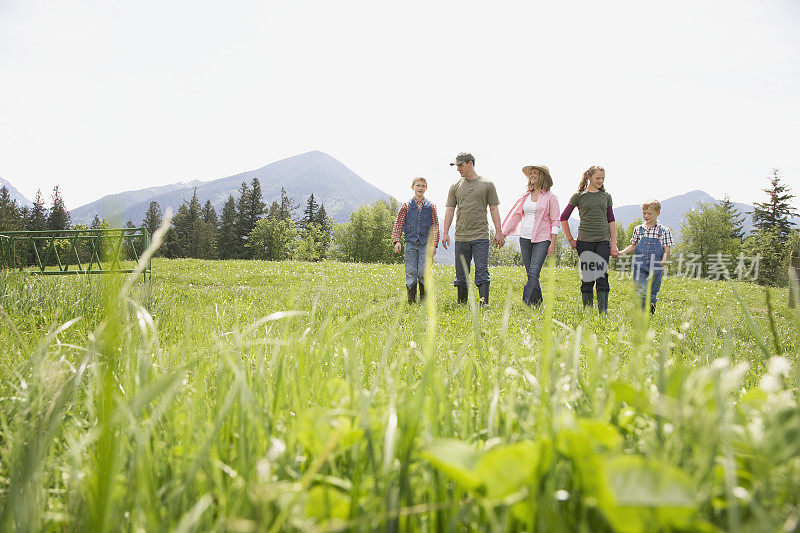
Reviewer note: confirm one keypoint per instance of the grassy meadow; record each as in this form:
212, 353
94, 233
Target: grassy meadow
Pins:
256, 396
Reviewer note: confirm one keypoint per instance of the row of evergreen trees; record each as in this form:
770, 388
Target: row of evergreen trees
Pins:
248, 229
37, 217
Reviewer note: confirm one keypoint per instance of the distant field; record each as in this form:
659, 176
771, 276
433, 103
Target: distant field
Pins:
256, 396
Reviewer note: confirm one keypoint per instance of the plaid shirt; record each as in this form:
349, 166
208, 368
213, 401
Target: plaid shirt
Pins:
397, 231
643, 231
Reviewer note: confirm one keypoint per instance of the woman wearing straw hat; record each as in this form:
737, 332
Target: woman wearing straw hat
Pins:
535, 218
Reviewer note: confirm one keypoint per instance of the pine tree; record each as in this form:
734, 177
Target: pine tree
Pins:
310, 212
326, 227
737, 219
228, 239
96, 223
37, 215
58, 218
256, 210
242, 221
209, 234
287, 207
152, 218
775, 212
209, 214
187, 226
10, 215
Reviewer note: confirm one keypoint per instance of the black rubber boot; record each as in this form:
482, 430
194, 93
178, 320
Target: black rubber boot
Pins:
462, 295
412, 293
652, 308
483, 292
602, 302
588, 299
421, 290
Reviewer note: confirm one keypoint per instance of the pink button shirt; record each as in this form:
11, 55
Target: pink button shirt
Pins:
545, 217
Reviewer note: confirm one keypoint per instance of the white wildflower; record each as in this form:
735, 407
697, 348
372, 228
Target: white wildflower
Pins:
779, 366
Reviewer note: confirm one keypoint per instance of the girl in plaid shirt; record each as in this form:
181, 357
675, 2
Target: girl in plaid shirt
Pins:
650, 243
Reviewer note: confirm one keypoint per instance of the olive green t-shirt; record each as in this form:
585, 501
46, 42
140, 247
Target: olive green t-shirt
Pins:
470, 198
593, 210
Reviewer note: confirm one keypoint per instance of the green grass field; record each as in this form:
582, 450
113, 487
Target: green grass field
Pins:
254, 396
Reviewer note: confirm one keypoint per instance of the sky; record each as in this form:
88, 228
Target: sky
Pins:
100, 97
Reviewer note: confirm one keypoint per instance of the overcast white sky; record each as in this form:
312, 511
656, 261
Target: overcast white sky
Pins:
104, 96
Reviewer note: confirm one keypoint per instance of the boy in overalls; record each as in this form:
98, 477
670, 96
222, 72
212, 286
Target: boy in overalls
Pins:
650, 243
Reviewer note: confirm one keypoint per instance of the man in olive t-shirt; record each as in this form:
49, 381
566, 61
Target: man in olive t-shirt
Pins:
468, 198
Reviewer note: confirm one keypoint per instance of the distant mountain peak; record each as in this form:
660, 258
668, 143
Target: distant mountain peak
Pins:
14, 193
334, 185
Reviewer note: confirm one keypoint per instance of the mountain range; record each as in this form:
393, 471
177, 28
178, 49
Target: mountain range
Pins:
333, 185
14, 193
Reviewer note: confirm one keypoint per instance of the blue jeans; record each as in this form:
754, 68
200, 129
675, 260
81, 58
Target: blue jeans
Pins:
647, 259
415, 263
533, 257
477, 250
603, 249
641, 278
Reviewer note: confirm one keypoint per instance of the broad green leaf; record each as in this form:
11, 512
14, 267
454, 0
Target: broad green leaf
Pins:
506, 469
600, 433
639, 482
648, 492
591, 476
315, 427
625, 392
326, 502
456, 459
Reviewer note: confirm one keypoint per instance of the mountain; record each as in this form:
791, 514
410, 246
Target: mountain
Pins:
114, 206
14, 193
334, 185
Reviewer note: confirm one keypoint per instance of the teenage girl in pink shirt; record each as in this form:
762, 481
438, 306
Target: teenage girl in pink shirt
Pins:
535, 218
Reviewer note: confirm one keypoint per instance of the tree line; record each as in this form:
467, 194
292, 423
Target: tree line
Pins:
248, 229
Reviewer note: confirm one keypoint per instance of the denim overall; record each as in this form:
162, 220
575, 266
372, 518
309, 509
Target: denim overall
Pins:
646, 257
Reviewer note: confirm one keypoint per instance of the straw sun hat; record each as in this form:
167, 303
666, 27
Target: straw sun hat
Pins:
541, 168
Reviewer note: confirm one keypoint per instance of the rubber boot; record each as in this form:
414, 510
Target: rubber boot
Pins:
421, 290
588, 299
483, 292
412, 293
462, 295
602, 302
652, 308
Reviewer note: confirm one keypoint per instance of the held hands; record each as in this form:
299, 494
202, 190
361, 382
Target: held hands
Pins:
614, 250
445, 240
499, 239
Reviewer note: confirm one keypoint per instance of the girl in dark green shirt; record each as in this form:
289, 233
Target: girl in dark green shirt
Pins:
597, 235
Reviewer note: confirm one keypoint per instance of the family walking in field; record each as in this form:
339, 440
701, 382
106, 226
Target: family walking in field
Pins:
535, 217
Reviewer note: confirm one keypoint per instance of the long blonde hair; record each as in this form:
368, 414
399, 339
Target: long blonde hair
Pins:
588, 174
